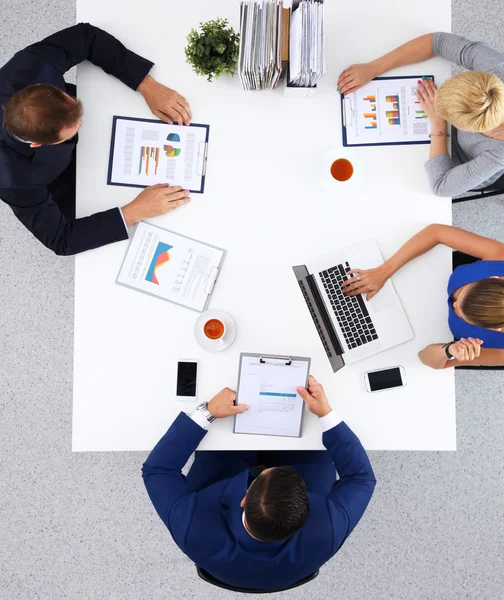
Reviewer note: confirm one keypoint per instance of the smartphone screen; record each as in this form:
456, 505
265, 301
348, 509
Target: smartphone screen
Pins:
186, 378
383, 380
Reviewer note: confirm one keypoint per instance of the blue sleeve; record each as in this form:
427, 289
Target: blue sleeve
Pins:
69, 47
42, 216
162, 474
350, 495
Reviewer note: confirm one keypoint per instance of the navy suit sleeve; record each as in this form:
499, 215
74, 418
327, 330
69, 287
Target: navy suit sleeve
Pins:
162, 473
351, 494
69, 47
39, 212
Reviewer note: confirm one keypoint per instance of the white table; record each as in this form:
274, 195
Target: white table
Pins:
263, 203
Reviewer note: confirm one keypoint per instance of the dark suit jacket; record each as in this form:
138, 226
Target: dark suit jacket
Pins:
207, 525
26, 173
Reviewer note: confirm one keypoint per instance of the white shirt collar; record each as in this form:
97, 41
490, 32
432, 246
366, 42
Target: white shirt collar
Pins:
245, 527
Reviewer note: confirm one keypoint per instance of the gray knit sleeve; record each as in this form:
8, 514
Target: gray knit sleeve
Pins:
446, 179
474, 56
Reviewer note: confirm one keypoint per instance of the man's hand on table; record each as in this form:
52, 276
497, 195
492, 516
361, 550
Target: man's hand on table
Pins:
222, 405
164, 102
154, 201
315, 398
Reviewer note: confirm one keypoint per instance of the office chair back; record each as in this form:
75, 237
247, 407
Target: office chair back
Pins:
205, 575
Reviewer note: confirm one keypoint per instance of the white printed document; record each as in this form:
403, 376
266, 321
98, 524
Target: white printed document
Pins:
144, 152
268, 385
385, 111
170, 266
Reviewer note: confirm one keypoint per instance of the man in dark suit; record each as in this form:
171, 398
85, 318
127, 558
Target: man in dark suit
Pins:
262, 531
40, 119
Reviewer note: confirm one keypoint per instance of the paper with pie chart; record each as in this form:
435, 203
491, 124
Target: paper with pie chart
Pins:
145, 152
171, 266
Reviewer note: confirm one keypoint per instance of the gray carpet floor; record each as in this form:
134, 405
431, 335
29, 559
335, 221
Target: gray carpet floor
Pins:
80, 527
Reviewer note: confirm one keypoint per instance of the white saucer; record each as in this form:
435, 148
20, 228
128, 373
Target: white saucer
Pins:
327, 180
215, 345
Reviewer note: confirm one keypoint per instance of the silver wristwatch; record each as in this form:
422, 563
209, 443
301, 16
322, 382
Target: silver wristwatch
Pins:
203, 408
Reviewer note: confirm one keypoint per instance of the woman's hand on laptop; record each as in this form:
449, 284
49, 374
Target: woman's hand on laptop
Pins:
360, 282
315, 398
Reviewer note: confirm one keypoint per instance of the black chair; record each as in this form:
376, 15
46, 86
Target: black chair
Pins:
210, 579
494, 189
459, 258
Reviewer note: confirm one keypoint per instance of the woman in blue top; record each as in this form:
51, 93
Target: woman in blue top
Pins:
475, 295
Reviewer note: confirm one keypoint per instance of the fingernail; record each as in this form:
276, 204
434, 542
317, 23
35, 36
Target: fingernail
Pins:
246, 406
299, 389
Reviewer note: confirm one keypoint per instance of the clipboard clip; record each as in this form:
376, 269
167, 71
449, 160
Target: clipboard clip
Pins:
265, 358
202, 159
212, 278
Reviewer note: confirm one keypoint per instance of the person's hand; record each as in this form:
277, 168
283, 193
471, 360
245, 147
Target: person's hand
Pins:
154, 201
315, 398
466, 349
355, 76
371, 281
426, 93
223, 404
164, 102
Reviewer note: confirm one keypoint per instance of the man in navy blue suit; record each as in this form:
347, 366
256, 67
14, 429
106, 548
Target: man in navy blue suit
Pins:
40, 119
259, 520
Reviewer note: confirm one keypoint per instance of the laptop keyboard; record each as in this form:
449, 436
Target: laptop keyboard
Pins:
315, 319
351, 312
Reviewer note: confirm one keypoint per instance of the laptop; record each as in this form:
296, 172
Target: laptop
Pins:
351, 328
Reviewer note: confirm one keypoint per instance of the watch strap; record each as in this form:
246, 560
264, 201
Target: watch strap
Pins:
447, 350
203, 408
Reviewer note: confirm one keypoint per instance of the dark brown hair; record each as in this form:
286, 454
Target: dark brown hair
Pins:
483, 303
276, 505
38, 113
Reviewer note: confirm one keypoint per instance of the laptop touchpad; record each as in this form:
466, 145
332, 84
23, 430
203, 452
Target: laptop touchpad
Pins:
384, 298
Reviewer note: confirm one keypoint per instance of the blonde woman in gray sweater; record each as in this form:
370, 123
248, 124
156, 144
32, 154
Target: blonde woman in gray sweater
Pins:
472, 101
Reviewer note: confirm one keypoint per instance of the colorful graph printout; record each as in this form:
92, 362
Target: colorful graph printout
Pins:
393, 115
160, 258
173, 149
149, 159
385, 111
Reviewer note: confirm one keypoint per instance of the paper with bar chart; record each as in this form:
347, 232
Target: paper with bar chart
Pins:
170, 266
144, 152
385, 111
268, 387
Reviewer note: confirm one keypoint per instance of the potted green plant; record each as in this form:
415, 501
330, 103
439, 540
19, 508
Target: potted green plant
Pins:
212, 49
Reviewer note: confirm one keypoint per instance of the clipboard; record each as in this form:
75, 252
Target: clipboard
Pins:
275, 408
137, 258
344, 125
202, 151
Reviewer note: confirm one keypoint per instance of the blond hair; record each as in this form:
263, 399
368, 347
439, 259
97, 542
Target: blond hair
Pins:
472, 101
483, 303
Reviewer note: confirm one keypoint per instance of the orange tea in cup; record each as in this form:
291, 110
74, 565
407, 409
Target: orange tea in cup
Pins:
214, 329
342, 169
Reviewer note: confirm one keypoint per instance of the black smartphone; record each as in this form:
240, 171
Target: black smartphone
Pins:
187, 373
385, 379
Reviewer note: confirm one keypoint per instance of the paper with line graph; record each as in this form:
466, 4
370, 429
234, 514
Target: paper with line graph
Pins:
171, 266
144, 152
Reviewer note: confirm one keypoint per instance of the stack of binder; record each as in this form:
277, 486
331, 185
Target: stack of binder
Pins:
306, 45
263, 43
